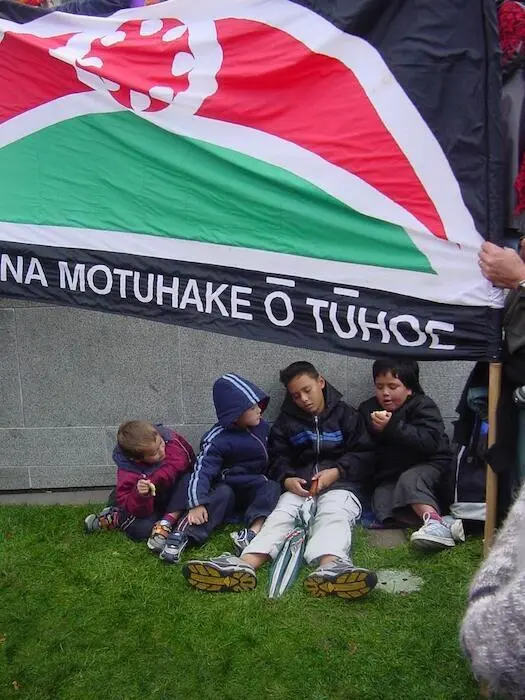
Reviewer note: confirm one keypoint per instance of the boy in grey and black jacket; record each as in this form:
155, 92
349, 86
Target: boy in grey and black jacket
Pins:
412, 454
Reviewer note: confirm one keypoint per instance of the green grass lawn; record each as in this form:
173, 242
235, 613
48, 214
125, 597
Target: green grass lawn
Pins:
100, 618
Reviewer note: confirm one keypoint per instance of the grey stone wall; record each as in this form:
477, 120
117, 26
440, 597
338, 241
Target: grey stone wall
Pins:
69, 377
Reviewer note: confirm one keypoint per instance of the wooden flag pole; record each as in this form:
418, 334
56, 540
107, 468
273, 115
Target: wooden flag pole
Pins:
491, 496
491, 488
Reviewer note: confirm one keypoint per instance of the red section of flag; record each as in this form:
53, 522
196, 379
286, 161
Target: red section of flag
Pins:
272, 82
30, 76
143, 62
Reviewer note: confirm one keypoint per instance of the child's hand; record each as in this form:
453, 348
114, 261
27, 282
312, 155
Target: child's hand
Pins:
380, 419
295, 485
198, 515
324, 479
144, 487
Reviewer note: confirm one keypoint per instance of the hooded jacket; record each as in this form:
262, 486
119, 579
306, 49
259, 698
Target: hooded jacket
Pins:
414, 435
178, 460
236, 456
302, 445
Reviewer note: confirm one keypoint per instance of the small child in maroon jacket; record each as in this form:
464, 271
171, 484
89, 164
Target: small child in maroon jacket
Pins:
150, 494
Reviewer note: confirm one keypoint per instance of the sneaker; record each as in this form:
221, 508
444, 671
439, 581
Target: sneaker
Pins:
340, 578
159, 535
107, 519
242, 539
456, 527
225, 573
176, 543
434, 534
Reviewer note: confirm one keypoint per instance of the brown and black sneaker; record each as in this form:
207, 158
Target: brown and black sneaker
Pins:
107, 519
159, 535
340, 578
223, 574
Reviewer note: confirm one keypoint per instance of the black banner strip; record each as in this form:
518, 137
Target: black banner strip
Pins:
286, 310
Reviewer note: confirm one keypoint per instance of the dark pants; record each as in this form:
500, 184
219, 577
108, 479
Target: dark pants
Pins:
220, 505
257, 502
251, 502
140, 528
417, 485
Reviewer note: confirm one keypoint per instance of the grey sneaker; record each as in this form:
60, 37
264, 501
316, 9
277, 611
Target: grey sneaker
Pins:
433, 535
176, 543
340, 578
225, 573
242, 539
107, 519
456, 527
159, 536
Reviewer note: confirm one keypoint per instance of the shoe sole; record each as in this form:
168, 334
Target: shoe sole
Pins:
431, 543
352, 585
208, 577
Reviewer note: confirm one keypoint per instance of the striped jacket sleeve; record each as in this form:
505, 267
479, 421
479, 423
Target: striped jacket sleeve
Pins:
207, 467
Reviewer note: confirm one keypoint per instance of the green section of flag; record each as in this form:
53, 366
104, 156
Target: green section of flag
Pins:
118, 172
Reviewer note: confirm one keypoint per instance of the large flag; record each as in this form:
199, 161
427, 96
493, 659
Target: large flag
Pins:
312, 173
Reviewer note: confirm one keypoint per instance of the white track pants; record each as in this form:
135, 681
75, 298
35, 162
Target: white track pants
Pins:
330, 532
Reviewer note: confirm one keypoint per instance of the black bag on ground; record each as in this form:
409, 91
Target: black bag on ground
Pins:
470, 448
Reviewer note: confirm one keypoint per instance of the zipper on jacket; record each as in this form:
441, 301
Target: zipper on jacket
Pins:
261, 443
317, 445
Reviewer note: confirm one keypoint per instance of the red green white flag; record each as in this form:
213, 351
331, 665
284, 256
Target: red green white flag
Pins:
249, 167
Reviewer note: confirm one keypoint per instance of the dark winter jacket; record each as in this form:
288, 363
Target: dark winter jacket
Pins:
178, 460
236, 456
414, 435
302, 445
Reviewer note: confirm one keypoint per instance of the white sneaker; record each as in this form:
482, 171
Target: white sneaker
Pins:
433, 534
456, 527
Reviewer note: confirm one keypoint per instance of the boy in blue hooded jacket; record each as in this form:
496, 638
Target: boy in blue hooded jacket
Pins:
230, 471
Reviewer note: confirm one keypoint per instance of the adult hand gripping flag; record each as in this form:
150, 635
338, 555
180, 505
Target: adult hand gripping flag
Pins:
314, 174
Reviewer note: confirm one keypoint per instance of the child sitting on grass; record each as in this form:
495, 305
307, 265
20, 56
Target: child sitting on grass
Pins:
150, 494
413, 454
318, 442
230, 472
